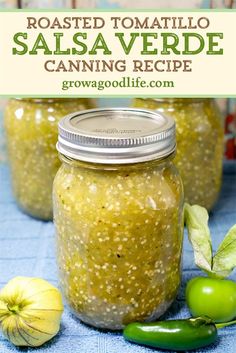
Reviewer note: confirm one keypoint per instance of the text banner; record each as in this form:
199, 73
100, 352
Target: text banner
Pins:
118, 53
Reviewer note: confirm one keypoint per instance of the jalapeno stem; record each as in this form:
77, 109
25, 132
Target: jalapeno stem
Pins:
224, 324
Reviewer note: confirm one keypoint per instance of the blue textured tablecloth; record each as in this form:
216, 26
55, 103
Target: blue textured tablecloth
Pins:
27, 249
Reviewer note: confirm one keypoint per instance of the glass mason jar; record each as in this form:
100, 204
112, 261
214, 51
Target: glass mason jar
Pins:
118, 211
31, 131
199, 157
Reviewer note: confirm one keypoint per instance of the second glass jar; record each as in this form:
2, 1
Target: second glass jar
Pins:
199, 158
31, 131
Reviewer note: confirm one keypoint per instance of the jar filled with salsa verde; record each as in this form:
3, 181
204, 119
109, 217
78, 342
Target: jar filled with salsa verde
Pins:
31, 131
199, 134
118, 211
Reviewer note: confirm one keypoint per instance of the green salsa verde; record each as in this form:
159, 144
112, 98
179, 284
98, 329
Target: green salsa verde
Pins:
199, 136
31, 131
119, 233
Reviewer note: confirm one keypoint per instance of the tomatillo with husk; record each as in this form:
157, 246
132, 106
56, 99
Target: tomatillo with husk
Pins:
30, 311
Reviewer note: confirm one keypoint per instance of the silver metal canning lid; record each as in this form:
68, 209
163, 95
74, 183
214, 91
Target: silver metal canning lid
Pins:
116, 136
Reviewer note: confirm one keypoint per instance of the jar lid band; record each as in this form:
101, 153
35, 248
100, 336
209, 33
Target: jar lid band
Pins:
116, 136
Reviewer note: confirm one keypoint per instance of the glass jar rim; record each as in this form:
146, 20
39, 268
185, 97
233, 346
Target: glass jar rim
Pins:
177, 99
113, 167
46, 100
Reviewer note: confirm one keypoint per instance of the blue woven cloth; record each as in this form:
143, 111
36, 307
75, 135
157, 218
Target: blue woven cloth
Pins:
27, 249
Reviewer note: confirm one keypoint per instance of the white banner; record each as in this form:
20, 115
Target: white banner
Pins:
118, 53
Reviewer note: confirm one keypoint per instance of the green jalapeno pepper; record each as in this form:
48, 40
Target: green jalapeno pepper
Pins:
178, 335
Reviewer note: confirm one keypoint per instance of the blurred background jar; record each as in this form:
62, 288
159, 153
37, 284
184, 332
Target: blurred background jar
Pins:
31, 134
199, 158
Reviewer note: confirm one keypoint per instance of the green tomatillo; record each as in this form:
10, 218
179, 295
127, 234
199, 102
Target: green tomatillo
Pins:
212, 296
215, 298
